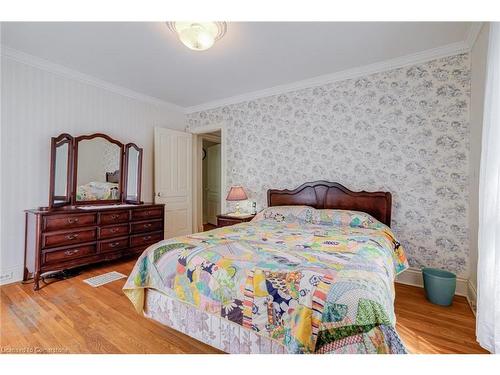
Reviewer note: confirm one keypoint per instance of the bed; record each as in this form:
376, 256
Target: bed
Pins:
312, 273
96, 190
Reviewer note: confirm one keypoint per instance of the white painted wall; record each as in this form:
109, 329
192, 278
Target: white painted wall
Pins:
478, 80
38, 104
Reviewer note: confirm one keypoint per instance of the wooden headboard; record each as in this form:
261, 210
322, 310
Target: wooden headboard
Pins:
324, 194
113, 176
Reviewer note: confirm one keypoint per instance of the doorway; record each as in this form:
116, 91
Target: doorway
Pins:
208, 177
211, 171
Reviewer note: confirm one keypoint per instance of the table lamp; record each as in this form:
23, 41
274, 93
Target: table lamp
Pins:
236, 193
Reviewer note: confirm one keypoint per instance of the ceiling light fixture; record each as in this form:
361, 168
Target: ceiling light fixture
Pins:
198, 36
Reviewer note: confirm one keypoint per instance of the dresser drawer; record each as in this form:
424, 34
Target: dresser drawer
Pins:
68, 254
146, 226
68, 237
64, 221
114, 217
114, 244
113, 231
145, 239
135, 250
147, 213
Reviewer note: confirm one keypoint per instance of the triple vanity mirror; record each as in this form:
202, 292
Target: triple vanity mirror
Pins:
94, 169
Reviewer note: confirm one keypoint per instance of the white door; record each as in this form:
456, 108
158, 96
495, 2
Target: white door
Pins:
213, 183
173, 179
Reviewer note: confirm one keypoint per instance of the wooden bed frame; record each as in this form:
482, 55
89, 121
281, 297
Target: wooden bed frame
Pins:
324, 194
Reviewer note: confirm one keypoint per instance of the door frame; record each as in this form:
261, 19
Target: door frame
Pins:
198, 170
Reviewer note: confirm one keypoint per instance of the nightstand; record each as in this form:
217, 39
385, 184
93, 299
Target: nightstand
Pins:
224, 220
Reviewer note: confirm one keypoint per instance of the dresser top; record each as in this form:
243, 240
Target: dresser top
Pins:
88, 208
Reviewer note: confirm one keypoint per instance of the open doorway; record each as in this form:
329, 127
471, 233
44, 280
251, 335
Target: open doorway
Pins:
211, 170
208, 172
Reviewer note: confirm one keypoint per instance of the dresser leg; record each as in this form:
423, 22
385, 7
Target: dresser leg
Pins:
36, 281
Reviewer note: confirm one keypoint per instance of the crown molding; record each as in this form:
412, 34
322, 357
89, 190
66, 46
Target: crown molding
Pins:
473, 33
37, 62
399, 62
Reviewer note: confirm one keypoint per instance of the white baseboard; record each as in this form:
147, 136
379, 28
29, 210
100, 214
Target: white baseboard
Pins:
413, 276
472, 296
10, 275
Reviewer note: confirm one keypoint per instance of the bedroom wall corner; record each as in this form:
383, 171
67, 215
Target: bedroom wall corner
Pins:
478, 81
38, 103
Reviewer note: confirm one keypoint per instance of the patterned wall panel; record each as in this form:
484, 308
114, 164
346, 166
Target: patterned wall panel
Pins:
405, 131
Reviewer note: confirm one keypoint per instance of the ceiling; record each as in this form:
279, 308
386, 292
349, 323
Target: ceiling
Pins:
149, 59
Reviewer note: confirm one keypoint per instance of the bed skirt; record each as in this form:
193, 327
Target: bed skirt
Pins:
235, 339
207, 328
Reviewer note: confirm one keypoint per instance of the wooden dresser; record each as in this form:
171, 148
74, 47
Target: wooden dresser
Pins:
67, 237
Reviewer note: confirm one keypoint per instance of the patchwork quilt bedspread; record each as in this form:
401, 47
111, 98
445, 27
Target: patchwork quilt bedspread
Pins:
96, 190
316, 281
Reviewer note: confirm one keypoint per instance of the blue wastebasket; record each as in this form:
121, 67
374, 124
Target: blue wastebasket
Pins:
439, 286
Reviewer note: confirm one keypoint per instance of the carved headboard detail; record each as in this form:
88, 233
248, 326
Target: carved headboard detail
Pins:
324, 194
113, 176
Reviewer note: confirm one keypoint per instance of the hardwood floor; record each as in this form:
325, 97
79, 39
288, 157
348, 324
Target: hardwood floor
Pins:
428, 328
71, 317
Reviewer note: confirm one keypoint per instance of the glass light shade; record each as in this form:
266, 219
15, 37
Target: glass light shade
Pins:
236, 193
198, 36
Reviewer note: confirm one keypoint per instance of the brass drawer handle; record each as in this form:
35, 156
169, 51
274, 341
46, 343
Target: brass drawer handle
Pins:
72, 220
114, 230
147, 238
72, 236
115, 216
114, 244
71, 252
147, 225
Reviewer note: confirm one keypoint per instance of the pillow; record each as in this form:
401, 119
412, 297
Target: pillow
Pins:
287, 214
354, 219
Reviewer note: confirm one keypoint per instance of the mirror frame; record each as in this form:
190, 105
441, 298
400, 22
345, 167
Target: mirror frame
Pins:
75, 170
54, 143
128, 146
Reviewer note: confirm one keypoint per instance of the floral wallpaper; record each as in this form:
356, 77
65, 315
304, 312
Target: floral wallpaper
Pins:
111, 159
404, 130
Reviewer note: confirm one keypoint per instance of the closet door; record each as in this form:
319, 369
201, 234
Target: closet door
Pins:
213, 184
173, 179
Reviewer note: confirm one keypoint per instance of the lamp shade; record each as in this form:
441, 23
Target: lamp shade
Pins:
236, 193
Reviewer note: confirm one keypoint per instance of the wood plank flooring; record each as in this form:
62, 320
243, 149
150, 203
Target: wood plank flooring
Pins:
71, 317
428, 328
